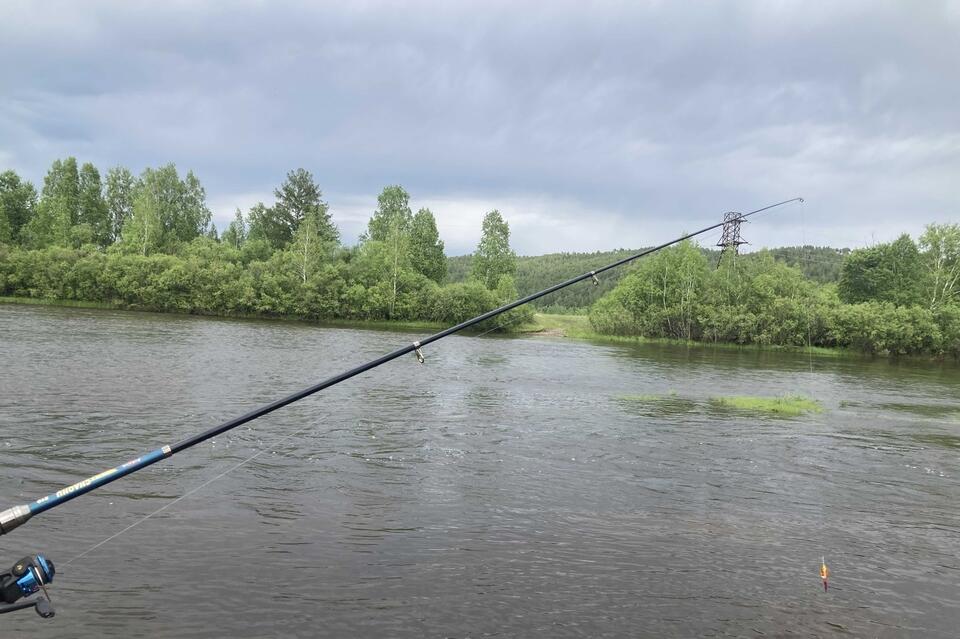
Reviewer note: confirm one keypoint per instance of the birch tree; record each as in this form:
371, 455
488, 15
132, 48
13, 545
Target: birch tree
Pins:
941, 246
119, 188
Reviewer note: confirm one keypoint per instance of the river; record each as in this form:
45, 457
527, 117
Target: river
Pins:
505, 488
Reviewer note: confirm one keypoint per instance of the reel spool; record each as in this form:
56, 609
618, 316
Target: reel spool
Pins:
27, 577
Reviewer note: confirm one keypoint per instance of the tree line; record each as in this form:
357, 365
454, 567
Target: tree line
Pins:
901, 297
147, 242
537, 272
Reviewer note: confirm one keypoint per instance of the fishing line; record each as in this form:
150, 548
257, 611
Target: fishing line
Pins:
803, 238
501, 325
824, 570
192, 491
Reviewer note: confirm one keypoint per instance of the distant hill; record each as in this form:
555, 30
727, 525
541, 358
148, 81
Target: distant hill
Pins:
819, 263
535, 273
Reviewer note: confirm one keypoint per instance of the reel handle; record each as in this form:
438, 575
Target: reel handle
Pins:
43, 607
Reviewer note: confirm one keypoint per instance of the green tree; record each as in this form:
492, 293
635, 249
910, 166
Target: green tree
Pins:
386, 266
461, 301
392, 215
6, 231
93, 210
311, 244
298, 198
120, 186
493, 257
819, 263
426, 247
18, 201
506, 292
661, 298
891, 272
63, 182
211, 233
143, 232
58, 208
236, 233
267, 226
941, 246
387, 242
179, 206
192, 217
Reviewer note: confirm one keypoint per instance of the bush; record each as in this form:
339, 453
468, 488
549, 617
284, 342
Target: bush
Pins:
455, 303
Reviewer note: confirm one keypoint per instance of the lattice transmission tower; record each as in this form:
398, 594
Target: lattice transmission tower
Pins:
730, 240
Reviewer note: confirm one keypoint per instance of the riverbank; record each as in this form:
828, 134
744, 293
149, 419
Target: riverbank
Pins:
575, 327
344, 323
579, 327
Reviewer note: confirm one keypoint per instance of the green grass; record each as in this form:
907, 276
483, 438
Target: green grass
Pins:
786, 405
673, 404
575, 326
389, 325
345, 323
579, 327
34, 301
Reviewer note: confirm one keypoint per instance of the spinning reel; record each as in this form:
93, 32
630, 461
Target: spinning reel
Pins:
27, 577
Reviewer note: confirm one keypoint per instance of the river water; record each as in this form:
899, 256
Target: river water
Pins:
505, 488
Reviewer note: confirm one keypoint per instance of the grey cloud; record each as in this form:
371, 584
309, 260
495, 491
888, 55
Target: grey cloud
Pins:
651, 114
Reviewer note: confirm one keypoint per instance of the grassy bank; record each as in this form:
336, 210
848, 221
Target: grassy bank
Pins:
579, 327
339, 323
543, 324
573, 326
33, 301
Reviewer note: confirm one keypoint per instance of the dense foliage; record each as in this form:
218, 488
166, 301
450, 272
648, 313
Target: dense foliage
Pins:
881, 305
147, 242
535, 273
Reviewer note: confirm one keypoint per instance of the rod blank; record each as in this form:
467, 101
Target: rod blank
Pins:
18, 515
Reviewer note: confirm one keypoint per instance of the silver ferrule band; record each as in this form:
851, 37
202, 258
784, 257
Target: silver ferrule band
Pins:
13, 517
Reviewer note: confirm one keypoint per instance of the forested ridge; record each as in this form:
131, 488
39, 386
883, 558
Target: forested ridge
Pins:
147, 242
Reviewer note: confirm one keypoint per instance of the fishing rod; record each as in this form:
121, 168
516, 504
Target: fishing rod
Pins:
31, 574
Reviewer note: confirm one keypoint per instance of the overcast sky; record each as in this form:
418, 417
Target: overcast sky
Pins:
589, 126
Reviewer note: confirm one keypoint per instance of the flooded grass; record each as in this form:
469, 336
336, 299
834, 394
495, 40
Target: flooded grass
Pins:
936, 411
673, 404
790, 405
934, 439
32, 301
647, 399
660, 405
